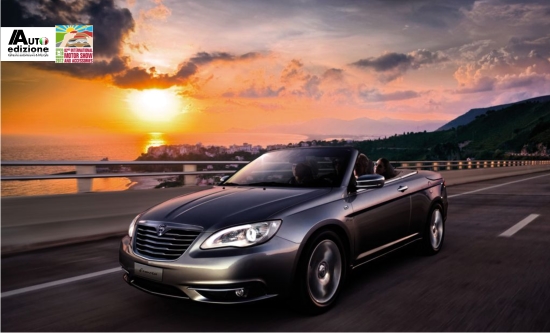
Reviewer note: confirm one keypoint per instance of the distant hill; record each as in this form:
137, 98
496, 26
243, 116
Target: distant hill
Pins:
520, 126
473, 113
322, 128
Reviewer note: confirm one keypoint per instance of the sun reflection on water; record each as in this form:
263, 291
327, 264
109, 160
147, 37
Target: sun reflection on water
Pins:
155, 139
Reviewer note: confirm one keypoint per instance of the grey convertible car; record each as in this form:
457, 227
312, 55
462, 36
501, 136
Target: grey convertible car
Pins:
291, 223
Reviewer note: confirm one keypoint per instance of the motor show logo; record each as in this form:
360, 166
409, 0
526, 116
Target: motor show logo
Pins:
74, 44
61, 44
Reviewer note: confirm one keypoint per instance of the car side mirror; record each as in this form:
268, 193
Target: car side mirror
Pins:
370, 181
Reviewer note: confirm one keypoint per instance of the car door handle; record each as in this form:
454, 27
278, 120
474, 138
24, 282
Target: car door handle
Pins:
402, 188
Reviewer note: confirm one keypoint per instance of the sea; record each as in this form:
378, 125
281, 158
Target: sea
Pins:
97, 147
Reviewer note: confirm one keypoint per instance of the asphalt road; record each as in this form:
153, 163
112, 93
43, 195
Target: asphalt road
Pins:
479, 282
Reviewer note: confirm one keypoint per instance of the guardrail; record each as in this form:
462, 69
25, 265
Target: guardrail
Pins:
87, 170
465, 164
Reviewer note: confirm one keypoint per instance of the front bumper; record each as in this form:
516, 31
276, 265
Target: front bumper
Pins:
225, 275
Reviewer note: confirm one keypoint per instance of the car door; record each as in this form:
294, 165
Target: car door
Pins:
380, 216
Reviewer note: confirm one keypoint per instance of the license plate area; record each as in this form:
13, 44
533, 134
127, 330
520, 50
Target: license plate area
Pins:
148, 272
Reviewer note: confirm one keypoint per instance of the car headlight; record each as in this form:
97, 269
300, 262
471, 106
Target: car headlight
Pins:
243, 235
133, 225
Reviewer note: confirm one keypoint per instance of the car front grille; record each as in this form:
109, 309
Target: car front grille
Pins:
170, 246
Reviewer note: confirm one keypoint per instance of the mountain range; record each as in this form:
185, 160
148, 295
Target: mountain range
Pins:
473, 113
522, 127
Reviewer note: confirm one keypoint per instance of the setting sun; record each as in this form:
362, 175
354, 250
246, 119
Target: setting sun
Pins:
154, 104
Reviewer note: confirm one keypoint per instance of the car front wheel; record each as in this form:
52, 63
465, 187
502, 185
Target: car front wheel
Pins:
321, 273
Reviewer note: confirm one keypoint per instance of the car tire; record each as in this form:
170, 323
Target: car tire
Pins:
434, 232
321, 273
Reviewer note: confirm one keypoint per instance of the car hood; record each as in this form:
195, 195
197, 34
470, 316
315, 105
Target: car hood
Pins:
221, 207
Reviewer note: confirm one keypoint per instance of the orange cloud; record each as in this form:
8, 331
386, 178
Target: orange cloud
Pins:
159, 12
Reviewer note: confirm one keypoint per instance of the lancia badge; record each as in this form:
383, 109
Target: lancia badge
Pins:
161, 229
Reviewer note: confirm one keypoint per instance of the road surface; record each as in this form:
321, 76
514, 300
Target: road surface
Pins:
492, 275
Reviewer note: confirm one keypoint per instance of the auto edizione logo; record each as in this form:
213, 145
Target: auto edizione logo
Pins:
28, 44
34, 46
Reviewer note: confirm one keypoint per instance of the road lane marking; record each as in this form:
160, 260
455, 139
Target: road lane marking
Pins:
494, 186
59, 282
517, 227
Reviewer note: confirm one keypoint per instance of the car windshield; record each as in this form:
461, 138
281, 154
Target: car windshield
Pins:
299, 167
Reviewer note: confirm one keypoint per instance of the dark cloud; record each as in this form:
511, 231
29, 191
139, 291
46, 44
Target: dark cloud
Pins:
119, 74
186, 70
425, 57
374, 95
254, 92
141, 78
250, 56
203, 58
99, 69
17, 13
333, 74
494, 19
401, 61
386, 62
437, 15
529, 46
393, 65
111, 26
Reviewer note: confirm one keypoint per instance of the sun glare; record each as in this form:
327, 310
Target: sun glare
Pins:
154, 104
155, 139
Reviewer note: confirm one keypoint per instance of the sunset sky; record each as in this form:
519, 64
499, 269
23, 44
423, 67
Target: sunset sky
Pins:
226, 65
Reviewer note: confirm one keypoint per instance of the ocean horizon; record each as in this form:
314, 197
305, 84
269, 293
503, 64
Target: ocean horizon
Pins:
124, 147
